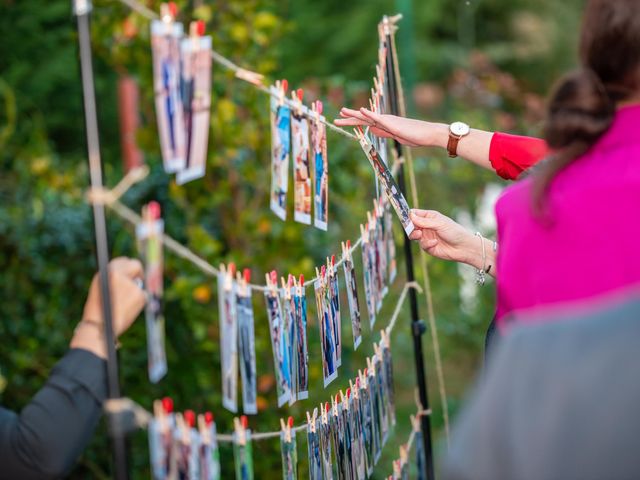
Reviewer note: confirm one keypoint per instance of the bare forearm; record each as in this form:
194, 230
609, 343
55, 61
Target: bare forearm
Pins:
473, 147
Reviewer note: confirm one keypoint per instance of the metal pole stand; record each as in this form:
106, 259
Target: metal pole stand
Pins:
82, 8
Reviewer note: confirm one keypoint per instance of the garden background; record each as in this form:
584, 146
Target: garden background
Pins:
486, 62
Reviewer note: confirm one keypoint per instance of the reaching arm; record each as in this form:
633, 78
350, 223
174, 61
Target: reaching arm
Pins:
46, 438
443, 238
508, 155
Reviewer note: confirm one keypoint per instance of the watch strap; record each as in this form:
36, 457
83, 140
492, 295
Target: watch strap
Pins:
452, 145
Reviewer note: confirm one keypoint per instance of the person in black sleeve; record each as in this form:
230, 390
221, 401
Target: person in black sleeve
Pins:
45, 439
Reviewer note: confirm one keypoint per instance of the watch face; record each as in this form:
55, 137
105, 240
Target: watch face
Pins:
460, 129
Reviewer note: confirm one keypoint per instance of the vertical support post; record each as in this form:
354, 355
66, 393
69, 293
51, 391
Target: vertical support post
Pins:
417, 326
81, 9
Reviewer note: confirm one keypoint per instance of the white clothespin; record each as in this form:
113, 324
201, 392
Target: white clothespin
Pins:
240, 427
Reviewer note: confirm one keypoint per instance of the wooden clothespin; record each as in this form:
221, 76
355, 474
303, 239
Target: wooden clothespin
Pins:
371, 366
240, 426
364, 234
377, 351
296, 97
415, 423
311, 420
196, 30
272, 283
168, 12
286, 291
404, 455
281, 87
324, 413
204, 427
384, 339
317, 111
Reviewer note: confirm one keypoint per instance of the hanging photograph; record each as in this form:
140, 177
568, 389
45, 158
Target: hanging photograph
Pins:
349, 465
289, 311
246, 342
367, 425
228, 337
196, 103
333, 298
289, 456
321, 170
337, 435
384, 404
301, 152
243, 457
209, 453
159, 450
357, 440
369, 293
149, 234
313, 451
280, 349
352, 295
388, 183
383, 271
391, 244
387, 367
165, 47
327, 338
301, 351
374, 396
325, 449
280, 149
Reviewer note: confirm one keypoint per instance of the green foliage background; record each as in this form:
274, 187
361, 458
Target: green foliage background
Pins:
484, 61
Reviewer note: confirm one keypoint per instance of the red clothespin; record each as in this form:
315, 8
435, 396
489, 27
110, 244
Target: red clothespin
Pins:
190, 418
154, 210
168, 12
167, 405
301, 285
296, 97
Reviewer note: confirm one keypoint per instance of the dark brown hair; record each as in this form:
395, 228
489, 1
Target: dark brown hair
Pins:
582, 105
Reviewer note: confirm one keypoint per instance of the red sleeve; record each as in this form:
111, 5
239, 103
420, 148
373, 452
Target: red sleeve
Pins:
510, 155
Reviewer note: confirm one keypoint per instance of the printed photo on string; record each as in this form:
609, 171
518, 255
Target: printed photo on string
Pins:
289, 457
159, 449
301, 349
367, 425
358, 434
246, 332
337, 435
391, 244
387, 367
377, 263
374, 395
243, 458
389, 185
196, 105
321, 174
280, 149
301, 152
325, 449
165, 48
333, 298
188, 442
209, 453
367, 270
149, 234
383, 271
327, 338
280, 349
290, 339
382, 395
313, 450
349, 466
228, 337
352, 296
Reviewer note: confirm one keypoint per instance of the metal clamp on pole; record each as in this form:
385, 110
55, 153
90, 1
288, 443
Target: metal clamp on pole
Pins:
419, 328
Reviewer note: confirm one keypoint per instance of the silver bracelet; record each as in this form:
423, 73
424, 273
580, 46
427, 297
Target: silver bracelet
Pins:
481, 273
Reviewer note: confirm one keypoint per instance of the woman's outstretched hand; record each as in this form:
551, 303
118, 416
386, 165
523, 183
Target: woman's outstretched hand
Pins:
441, 237
414, 133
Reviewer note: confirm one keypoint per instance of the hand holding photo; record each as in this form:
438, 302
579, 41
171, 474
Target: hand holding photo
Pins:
391, 189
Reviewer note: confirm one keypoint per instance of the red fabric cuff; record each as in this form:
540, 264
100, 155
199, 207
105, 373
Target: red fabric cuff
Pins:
510, 155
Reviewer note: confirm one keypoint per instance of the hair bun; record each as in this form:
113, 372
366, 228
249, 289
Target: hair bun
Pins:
580, 111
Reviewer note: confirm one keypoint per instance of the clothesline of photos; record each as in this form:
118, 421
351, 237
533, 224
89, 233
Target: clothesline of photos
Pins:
344, 438
286, 306
182, 85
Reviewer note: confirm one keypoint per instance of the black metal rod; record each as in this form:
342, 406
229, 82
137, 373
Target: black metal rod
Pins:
82, 8
416, 326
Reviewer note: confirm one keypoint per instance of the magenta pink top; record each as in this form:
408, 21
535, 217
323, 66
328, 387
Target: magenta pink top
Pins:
588, 244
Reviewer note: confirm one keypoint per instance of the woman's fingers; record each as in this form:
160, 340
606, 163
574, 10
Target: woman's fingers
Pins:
129, 267
348, 112
374, 118
416, 234
428, 244
425, 218
351, 122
